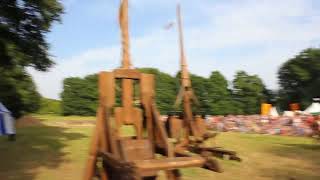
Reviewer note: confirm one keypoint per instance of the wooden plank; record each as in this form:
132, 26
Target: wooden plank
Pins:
127, 99
147, 86
201, 125
99, 142
91, 162
107, 100
107, 89
138, 122
132, 149
120, 169
160, 131
176, 127
169, 163
147, 93
103, 140
188, 115
102, 131
127, 74
118, 117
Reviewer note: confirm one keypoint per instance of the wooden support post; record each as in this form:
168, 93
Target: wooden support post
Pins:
107, 96
147, 93
91, 162
99, 143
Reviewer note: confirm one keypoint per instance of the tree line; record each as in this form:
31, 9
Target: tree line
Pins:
215, 95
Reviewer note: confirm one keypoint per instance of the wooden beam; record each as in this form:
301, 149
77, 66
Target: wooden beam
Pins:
147, 92
127, 74
107, 89
169, 163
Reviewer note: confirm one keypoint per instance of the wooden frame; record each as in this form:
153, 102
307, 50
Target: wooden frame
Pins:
193, 125
135, 155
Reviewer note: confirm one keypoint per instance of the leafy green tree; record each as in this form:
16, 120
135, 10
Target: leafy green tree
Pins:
23, 26
299, 78
219, 96
50, 106
80, 96
18, 92
200, 85
248, 92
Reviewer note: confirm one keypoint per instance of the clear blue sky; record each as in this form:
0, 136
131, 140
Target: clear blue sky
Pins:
224, 35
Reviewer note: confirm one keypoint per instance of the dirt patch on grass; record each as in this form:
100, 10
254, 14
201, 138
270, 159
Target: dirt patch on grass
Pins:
73, 123
27, 121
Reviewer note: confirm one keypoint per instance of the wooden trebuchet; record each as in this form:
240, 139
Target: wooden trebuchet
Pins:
189, 128
114, 155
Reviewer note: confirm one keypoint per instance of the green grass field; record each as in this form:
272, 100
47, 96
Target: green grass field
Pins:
51, 152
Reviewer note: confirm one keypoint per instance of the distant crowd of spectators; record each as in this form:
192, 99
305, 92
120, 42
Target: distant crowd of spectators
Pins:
296, 125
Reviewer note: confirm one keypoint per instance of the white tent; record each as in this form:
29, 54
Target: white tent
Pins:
288, 113
273, 112
314, 108
6, 121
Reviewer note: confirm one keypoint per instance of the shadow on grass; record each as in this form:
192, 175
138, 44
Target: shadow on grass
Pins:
306, 166
288, 174
35, 147
313, 147
308, 153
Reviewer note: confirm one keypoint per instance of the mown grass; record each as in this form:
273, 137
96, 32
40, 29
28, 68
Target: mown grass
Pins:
53, 152
45, 152
52, 117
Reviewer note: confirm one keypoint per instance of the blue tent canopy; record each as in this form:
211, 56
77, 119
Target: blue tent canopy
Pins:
6, 121
3, 108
